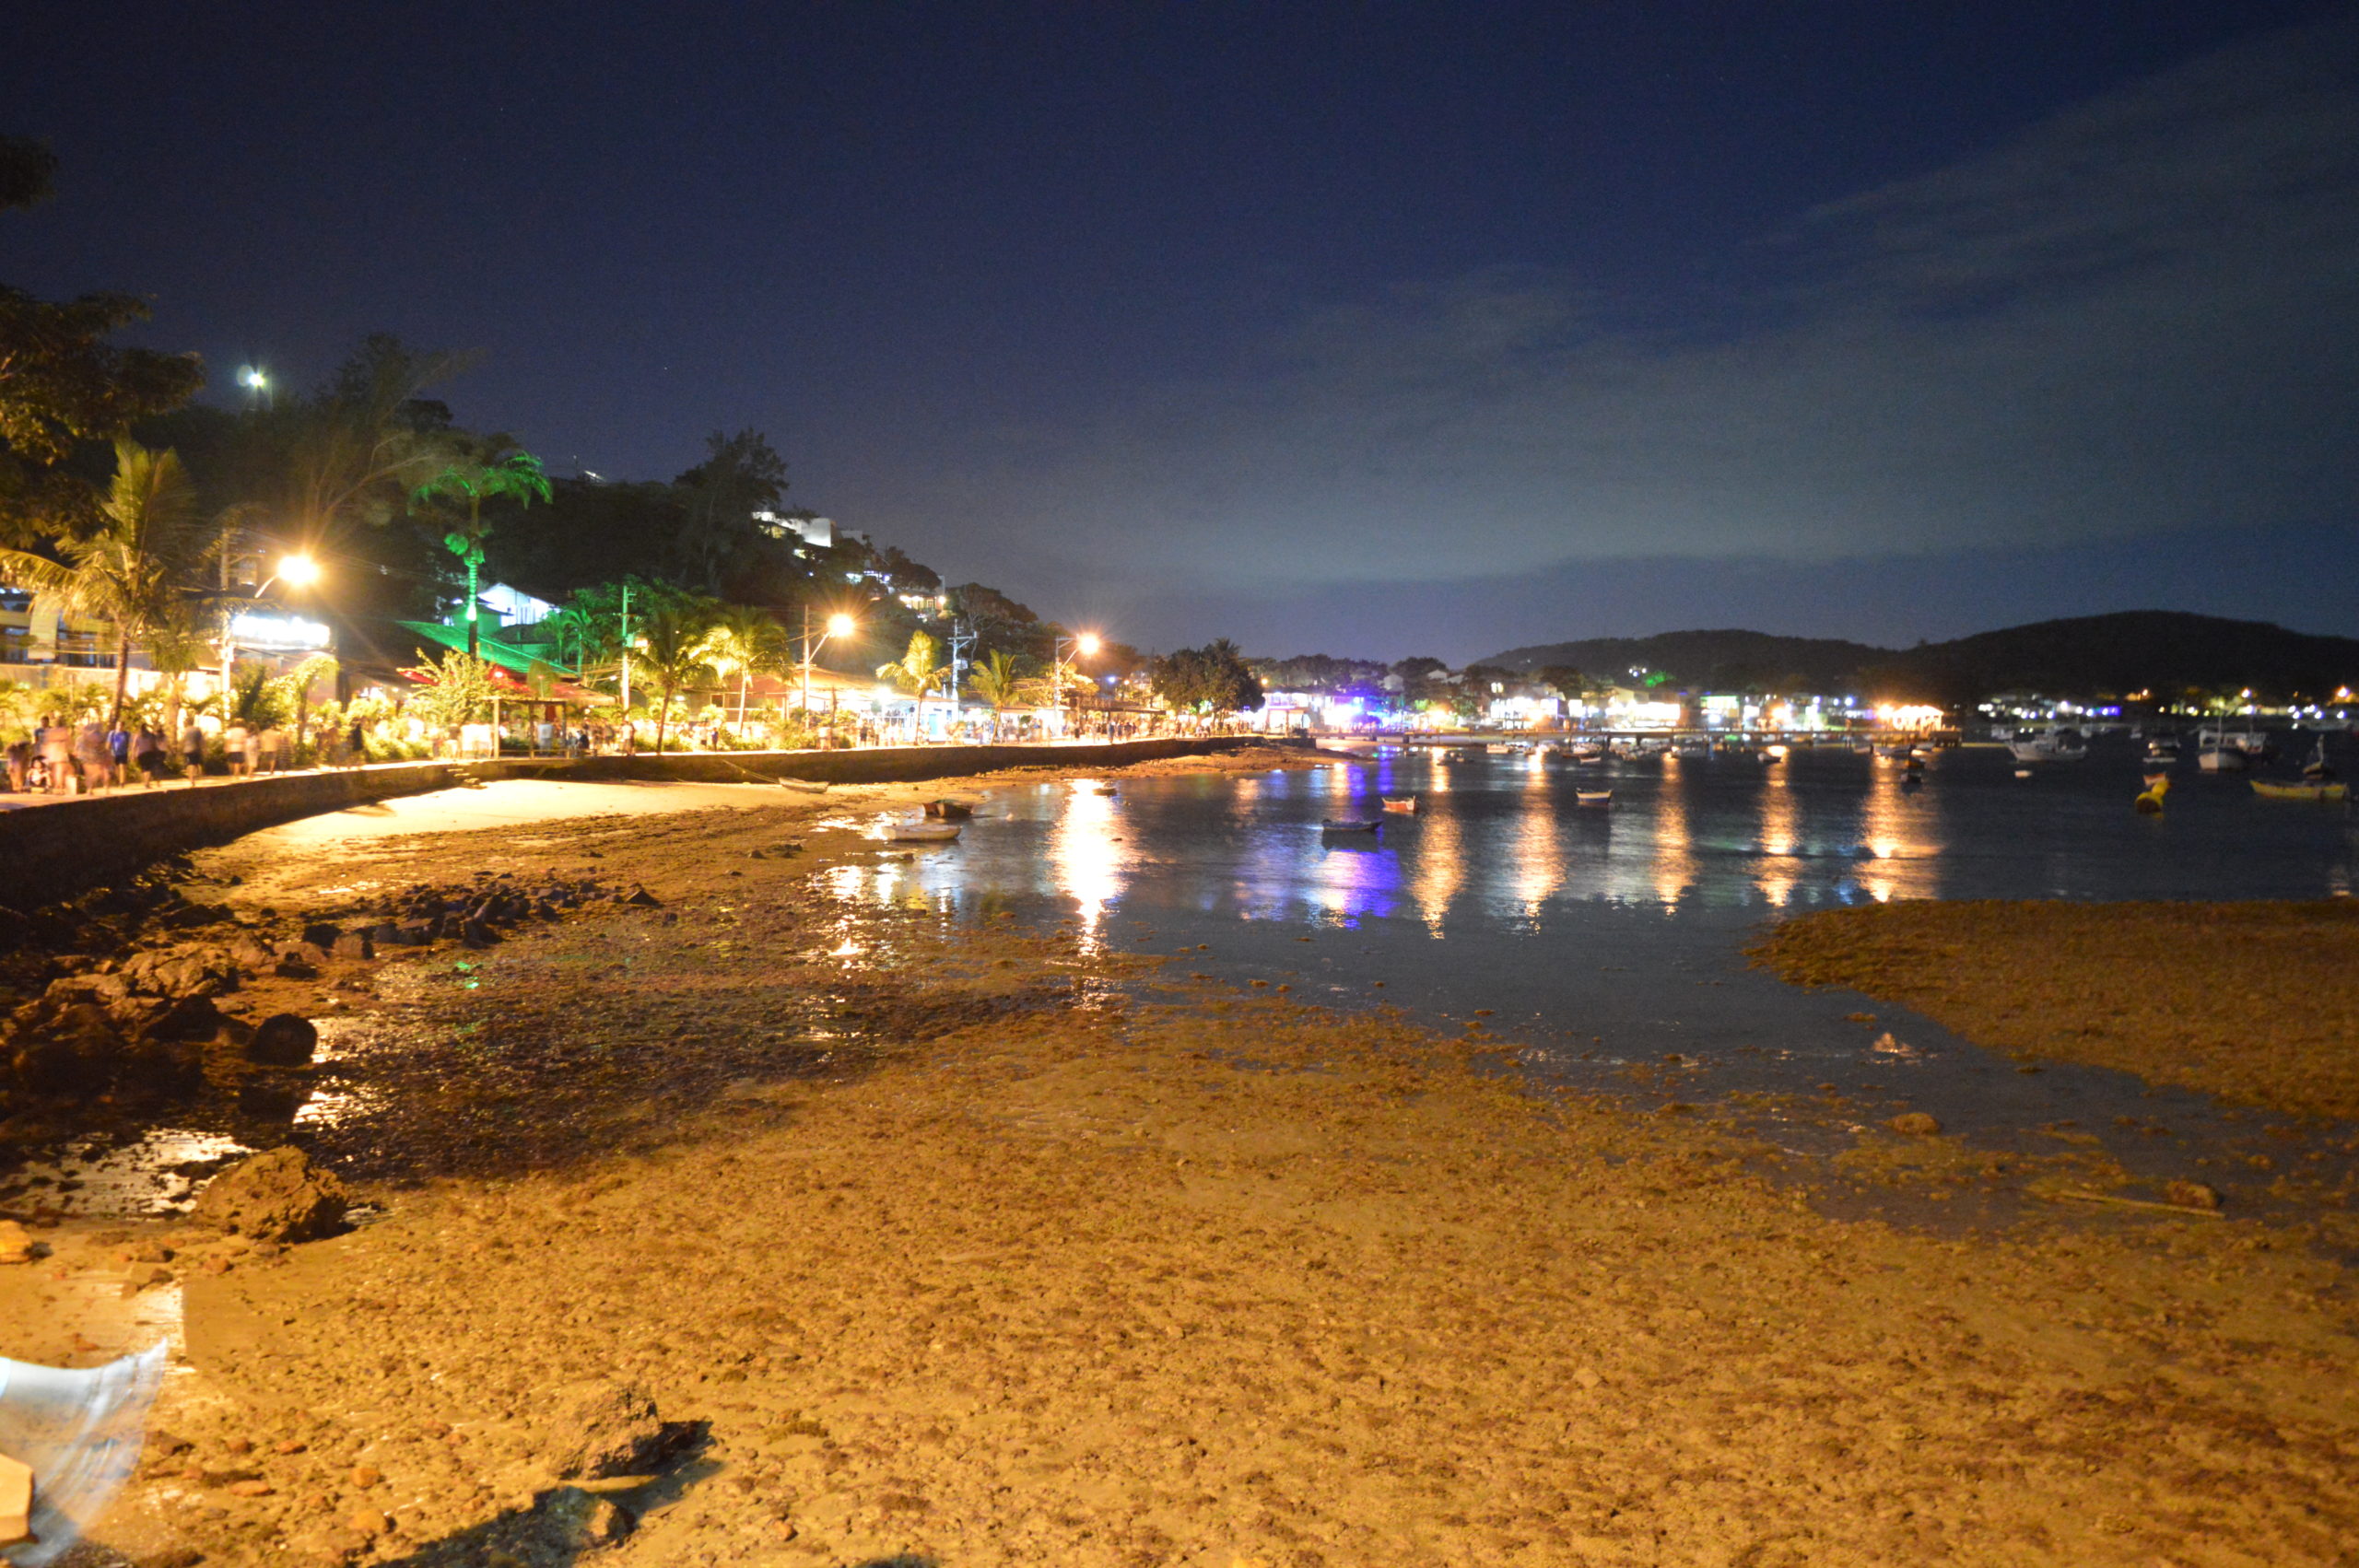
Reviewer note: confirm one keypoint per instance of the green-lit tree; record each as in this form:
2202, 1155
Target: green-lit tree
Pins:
454, 691
513, 474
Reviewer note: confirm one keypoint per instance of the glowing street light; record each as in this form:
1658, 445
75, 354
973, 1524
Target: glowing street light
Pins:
839, 625
1085, 646
298, 572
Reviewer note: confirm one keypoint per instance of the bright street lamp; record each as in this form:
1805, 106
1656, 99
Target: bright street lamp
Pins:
839, 625
1084, 646
298, 572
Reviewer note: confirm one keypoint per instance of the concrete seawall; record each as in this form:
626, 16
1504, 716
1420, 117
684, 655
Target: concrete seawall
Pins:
54, 851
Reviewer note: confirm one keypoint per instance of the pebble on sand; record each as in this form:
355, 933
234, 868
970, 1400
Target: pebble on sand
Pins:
1914, 1124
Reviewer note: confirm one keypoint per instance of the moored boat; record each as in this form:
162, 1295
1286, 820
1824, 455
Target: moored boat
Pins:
1400, 803
1351, 825
2277, 790
1593, 797
921, 832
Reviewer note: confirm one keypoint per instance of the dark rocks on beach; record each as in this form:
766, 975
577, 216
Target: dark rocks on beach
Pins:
1914, 1124
2191, 1195
603, 1429
575, 1520
323, 934
284, 1039
353, 944
190, 1018
275, 1196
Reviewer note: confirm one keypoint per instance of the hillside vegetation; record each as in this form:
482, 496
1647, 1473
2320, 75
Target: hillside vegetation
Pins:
2164, 651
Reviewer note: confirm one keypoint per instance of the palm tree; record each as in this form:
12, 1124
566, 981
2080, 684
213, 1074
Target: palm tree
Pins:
917, 672
742, 641
995, 679
515, 475
129, 569
671, 647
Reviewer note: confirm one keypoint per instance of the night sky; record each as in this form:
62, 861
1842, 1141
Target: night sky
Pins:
1370, 329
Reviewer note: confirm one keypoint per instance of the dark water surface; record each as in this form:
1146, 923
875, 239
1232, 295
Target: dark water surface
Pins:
1604, 940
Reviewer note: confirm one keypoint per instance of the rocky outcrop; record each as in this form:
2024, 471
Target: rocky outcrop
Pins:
279, 1196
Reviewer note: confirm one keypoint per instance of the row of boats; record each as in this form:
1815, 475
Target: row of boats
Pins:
2217, 750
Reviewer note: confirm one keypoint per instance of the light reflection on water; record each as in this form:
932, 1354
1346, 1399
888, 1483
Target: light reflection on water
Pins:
1616, 931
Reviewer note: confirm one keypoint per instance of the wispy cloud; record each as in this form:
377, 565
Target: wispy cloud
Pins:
2141, 316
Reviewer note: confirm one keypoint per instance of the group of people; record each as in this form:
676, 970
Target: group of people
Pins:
62, 758
59, 758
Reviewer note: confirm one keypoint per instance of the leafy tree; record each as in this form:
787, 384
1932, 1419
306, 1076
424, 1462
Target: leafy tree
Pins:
513, 474
998, 680
671, 651
61, 383
740, 475
1212, 679
129, 569
453, 690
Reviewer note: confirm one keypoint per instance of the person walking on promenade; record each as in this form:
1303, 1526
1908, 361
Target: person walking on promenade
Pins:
254, 749
233, 743
53, 746
271, 744
193, 749
147, 747
20, 760
119, 753
356, 745
92, 756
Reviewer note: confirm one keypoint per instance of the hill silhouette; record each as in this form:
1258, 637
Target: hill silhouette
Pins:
2164, 651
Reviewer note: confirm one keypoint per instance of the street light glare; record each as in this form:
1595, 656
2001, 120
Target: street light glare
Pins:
1086, 643
298, 572
839, 626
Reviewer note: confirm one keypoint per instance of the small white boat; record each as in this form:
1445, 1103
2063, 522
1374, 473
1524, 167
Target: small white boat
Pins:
2048, 746
2222, 759
1400, 803
1593, 797
921, 832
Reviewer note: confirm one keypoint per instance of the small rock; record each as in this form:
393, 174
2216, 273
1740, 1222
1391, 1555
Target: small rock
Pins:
2191, 1195
1914, 1124
353, 944
322, 935
16, 1243
190, 1018
250, 1489
581, 1520
366, 1476
603, 1429
367, 1522
642, 898
273, 1197
284, 1039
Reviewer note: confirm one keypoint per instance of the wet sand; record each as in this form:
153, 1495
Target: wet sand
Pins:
2254, 1002
999, 1254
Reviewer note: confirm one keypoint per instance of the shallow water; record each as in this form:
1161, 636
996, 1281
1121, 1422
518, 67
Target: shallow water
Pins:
1603, 941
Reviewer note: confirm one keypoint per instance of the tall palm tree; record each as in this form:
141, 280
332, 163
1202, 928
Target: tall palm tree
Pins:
130, 568
515, 475
917, 671
997, 682
742, 641
670, 648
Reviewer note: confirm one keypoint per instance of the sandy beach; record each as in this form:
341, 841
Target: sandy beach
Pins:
951, 1243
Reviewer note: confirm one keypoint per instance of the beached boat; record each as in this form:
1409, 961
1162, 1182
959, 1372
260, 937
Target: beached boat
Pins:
921, 832
1400, 803
1593, 797
948, 810
1351, 825
2276, 789
1691, 748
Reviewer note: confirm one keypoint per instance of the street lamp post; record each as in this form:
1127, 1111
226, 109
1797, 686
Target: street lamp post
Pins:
839, 625
1085, 646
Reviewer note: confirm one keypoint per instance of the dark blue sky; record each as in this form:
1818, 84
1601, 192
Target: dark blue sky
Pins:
1374, 328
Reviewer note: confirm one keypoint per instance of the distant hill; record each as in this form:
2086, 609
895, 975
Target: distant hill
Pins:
2163, 650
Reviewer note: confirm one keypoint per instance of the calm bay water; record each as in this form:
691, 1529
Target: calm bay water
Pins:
1601, 938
